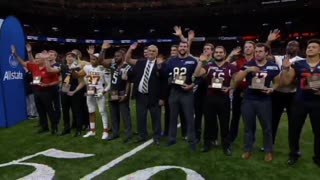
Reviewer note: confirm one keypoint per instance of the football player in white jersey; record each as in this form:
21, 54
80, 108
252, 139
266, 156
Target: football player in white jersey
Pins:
98, 84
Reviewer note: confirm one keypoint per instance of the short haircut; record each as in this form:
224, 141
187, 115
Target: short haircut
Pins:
209, 44
250, 42
317, 41
78, 53
184, 42
71, 54
266, 47
53, 51
221, 47
174, 46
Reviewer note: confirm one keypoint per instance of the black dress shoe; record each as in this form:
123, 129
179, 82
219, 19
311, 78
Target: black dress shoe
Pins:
193, 147
141, 140
41, 131
110, 138
128, 139
171, 143
156, 142
206, 149
316, 161
65, 132
227, 151
292, 161
54, 132
77, 134
215, 143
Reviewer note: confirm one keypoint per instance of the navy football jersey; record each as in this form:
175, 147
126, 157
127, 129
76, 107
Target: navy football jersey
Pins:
303, 72
67, 78
117, 83
183, 67
269, 71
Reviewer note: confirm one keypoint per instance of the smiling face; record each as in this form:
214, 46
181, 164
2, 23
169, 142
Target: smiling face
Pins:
219, 54
183, 48
152, 52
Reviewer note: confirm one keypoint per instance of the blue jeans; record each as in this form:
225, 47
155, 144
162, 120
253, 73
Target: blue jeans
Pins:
250, 110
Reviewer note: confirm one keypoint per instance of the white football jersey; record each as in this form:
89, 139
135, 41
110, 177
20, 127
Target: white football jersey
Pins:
97, 77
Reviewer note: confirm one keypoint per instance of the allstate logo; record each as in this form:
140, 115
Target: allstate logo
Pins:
13, 61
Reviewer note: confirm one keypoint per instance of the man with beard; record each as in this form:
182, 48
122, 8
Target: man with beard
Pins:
119, 96
307, 100
257, 101
173, 54
181, 70
283, 97
218, 74
200, 86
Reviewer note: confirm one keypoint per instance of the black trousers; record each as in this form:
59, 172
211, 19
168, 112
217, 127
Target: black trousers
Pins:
167, 120
236, 115
57, 104
73, 103
178, 101
280, 101
84, 108
300, 110
217, 107
143, 105
199, 100
121, 110
45, 106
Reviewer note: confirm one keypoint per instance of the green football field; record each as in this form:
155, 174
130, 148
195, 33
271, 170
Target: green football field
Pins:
21, 141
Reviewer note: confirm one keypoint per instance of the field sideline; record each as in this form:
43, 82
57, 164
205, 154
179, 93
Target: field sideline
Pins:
21, 140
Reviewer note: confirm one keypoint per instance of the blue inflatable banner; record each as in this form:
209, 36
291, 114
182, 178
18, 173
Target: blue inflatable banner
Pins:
12, 88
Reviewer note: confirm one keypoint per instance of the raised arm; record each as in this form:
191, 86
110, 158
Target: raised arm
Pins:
200, 71
178, 33
287, 74
15, 54
191, 36
128, 58
48, 64
273, 35
233, 53
104, 62
29, 51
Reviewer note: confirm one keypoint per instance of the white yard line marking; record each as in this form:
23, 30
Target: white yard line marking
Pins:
114, 162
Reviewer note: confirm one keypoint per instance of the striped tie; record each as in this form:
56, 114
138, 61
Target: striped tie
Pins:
146, 78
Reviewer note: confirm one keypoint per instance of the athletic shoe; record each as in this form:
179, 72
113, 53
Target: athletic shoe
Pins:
104, 135
89, 134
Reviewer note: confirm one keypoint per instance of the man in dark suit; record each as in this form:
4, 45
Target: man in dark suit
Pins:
149, 89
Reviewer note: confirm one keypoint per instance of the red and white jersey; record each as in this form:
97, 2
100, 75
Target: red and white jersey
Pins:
97, 77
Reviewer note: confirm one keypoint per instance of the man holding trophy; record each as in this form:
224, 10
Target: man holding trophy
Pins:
307, 101
98, 84
181, 69
218, 74
261, 76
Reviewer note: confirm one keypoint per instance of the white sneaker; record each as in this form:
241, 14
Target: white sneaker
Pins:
105, 135
89, 134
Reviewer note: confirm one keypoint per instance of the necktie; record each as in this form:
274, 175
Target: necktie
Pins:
146, 78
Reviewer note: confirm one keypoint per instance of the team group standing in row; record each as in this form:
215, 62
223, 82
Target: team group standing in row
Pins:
260, 85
